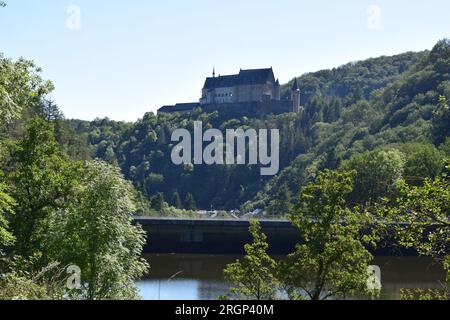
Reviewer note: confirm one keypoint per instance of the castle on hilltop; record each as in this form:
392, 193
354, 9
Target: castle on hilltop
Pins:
246, 93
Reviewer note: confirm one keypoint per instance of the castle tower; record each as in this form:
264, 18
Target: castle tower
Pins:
295, 96
277, 93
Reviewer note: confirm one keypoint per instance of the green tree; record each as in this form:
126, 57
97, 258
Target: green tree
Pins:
96, 233
7, 112
189, 203
110, 156
445, 147
41, 181
421, 219
332, 261
158, 201
441, 120
143, 206
21, 279
422, 161
176, 200
21, 88
6, 210
253, 277
282, 203
376, 174
49, 111
426, 212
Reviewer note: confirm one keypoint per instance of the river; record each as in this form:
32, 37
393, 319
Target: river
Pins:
200, 277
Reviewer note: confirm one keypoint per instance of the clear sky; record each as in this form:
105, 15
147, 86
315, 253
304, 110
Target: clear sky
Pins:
125, 58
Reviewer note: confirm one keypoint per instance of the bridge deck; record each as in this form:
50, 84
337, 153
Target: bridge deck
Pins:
215, 236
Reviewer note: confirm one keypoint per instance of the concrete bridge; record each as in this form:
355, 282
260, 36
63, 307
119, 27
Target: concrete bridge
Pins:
211, 236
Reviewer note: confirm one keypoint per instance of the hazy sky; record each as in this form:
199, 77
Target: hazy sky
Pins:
126, 58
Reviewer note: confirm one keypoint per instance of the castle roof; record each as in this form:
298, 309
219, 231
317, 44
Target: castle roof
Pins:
180, 107
221, 82
245, 77
295, 86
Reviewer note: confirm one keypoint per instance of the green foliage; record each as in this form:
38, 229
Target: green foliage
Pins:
158, 203
189, 203
72, 215
6, 210
425, 295
176, 201
54, 211
355, 80
420, 217
172, 212
41, 181
426, 210
422, 161
424, 213
21, 88
441, 117
253, 277
18, 282
143, 206
282, 204
332, 262
376, 174
404, 108
96, 234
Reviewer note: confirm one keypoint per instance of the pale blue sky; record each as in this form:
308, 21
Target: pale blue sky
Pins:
133, 56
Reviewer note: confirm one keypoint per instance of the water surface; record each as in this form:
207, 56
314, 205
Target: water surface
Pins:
200, 277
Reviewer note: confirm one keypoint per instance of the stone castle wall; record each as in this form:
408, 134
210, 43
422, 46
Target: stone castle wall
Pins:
250, 108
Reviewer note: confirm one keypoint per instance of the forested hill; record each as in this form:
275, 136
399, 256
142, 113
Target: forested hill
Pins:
354, 80
391, 109
401, 131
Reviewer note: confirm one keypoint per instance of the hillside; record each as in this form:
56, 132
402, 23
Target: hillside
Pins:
354, 80
358, 107
410, 115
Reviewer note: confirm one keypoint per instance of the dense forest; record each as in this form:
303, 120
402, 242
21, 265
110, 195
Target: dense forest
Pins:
393, 109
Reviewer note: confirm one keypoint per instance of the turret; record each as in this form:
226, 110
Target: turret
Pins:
295, 96
277, 93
